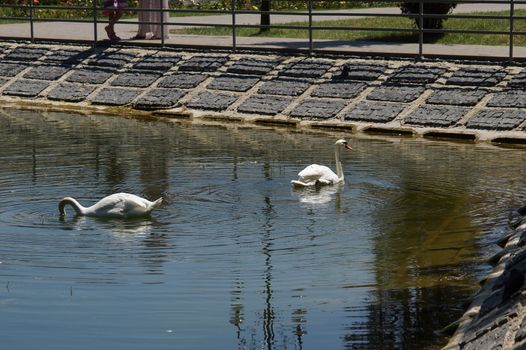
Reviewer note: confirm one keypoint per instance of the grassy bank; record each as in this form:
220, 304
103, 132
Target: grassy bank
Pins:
389, 35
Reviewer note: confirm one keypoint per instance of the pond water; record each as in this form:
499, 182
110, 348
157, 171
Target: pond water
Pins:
235, 258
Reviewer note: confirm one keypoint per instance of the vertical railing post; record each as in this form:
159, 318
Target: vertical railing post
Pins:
420, 29
161, 8
512, 29
310, 26
31, 24
95, 23
234, 44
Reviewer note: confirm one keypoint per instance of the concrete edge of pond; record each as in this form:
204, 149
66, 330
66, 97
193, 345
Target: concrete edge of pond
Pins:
460, 101
181, 114
496, 318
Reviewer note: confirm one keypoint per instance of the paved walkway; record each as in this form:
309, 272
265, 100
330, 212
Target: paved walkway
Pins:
127, 29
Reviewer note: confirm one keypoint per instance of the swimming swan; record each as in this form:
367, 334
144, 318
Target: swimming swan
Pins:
316, 174
118, 205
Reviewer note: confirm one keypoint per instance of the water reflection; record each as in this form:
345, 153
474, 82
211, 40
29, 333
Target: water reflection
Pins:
117, 227
380, 262
317, 195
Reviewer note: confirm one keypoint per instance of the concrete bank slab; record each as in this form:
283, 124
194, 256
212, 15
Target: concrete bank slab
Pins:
496, 319
435, 99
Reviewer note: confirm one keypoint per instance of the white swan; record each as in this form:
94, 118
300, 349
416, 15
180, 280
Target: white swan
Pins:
118, 205
316, 174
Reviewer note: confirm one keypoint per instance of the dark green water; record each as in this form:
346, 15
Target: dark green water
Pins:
236, 259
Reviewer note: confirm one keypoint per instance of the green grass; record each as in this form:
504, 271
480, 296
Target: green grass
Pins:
388, 36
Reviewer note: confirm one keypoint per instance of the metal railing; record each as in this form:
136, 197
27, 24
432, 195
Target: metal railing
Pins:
308, 20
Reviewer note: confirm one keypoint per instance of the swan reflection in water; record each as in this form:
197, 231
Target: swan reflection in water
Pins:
135, 226
319, 194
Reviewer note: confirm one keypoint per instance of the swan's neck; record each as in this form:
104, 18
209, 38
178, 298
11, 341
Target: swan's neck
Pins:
79, 209
339, 170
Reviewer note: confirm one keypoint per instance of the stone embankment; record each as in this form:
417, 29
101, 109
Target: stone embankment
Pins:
444, 99
496, 318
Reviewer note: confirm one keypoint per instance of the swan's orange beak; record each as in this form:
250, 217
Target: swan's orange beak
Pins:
348, 147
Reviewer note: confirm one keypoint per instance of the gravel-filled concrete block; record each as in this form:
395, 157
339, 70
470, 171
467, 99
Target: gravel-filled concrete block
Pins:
518, 81
318, 108
46, 72
265, 104
67, 57
4, 49
492, 339
307, 68
377, 112
203, 64
396, 93
418, 75
115, 96
182, 80
497, 119
26, 88
157, 62
239, 83
111, 59
340, 89
160, 98
11, 69
359, 71
93, 75
212, 100
477, 76
255, 66
70, 92
284, 86
510, 98
26, 54
434, 116
457, 97
136, 79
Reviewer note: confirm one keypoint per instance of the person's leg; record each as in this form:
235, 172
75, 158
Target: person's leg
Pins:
110, 28
142, 17
157, 32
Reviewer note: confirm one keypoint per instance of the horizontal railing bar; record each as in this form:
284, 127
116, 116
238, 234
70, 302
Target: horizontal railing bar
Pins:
445, 31
16, 18
370, 29
427, 15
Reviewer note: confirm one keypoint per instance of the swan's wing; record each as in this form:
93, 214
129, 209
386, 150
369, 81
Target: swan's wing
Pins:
325, 181
317, 173
109, 206
300, 184
312, 172
119, 204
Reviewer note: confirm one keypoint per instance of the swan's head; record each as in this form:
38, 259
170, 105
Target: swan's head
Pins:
343, 143
68, 200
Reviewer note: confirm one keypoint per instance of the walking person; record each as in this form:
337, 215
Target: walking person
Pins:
113, 9
151, 26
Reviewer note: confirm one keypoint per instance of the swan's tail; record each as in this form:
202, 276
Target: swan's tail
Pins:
157, 203
299, 184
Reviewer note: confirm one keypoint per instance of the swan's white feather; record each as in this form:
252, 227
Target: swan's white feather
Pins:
316, 174
119, 205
